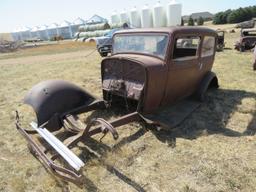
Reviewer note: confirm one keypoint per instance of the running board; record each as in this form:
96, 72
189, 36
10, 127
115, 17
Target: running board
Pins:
65, 152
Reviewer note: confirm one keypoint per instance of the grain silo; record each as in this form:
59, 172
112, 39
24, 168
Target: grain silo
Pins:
174, 10
135, 18
34, 32
159, 15
43, 32
53, 30
146, 17
76, 24
65, 30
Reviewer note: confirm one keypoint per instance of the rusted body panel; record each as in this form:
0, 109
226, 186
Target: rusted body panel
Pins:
52, 97
149, 68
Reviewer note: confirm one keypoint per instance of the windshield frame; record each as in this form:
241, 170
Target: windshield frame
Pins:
146, 34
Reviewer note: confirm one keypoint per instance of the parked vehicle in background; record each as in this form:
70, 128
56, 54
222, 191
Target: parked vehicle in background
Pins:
104, 44
247, 40
220, 40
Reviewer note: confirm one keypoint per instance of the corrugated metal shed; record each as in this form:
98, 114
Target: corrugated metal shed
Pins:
76, 24
53, 30
43, 32
65, 30
96, 19
16, 34
25, 33
34, 32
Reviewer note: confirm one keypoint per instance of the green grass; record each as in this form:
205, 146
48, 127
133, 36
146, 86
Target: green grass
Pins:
213, 150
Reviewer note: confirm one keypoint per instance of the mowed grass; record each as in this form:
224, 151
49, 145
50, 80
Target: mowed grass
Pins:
213, 150
48, 48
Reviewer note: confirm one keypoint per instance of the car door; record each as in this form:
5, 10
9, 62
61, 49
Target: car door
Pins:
207, 54
183, 67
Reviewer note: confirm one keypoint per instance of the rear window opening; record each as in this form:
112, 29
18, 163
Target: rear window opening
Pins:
186, 47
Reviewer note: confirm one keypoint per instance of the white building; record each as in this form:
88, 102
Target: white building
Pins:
65, 30
43, 32
96, 19
34, 32
24, 33
53, 30
76, 24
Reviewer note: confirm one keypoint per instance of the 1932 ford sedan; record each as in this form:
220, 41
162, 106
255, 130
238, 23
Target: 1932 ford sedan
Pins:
149, 69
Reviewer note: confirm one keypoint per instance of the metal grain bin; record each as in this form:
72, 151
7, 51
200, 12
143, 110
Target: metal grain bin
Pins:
43, 32
77, 23
53, 30
65, 30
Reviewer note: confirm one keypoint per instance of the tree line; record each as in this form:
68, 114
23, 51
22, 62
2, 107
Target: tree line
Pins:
193, 22
235, 16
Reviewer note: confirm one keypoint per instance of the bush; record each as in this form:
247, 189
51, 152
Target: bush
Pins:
200, 21
191, 21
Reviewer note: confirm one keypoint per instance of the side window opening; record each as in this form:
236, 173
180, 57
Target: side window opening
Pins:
186, 47
208, 46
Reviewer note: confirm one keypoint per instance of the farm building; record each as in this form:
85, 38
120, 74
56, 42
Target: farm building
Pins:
76, 24
16, 34
65, 30
25, 33
96, 19
53, 30
34, 32
43, 32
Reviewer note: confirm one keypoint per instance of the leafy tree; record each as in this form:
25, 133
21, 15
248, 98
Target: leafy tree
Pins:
200, 21
235, 16
191, 21
221, 17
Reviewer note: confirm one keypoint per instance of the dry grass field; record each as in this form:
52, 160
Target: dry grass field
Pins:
213, 150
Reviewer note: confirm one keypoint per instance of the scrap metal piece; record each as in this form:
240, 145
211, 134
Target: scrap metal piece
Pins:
66, 174
67, 154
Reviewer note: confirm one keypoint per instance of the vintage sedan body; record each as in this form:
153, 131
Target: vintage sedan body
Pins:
162, 65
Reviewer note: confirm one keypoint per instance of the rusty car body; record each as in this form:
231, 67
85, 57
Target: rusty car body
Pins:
149, 69
220, 40
247, 40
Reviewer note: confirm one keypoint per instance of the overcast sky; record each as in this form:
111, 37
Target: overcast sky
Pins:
17, 13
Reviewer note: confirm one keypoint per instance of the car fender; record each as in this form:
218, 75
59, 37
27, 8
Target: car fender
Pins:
210, 80
53, 98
